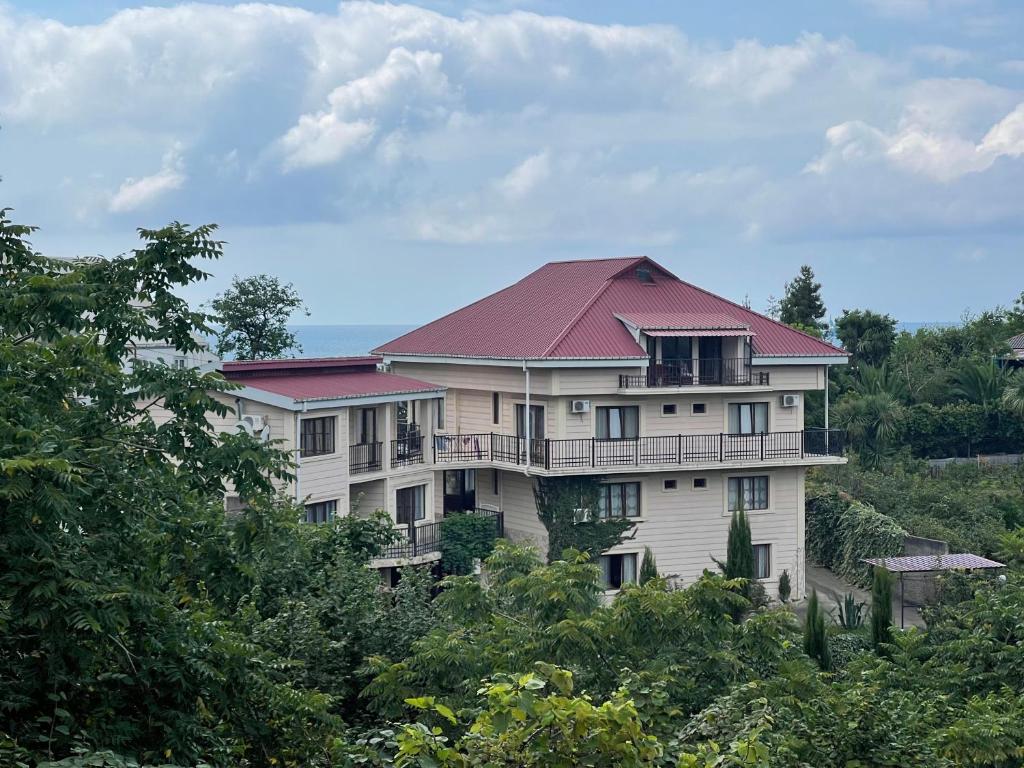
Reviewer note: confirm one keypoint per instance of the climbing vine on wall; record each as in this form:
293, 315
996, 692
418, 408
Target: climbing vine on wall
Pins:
567, 506
841, 531
465, 538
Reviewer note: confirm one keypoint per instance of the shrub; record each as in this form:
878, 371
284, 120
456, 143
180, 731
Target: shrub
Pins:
649, 567
850, 613
881, 608
464, 538
785, 588
815, 637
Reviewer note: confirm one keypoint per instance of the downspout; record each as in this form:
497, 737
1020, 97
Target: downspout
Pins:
526, 418
298, 454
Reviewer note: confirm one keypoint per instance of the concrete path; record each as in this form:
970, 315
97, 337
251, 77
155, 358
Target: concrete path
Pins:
832, 589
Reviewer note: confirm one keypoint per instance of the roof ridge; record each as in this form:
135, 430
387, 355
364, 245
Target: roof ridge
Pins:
765, 317
583, 310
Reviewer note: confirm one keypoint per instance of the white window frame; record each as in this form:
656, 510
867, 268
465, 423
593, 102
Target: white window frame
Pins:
608, 589
330, 510
768, 575
771, 493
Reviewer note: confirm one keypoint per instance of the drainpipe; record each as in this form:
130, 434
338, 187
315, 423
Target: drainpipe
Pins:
826, 412
298, 454
526, 418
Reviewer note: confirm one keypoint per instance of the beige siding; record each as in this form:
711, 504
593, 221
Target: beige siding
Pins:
521, 521
488, 378
794, 378
367, 498
326, 477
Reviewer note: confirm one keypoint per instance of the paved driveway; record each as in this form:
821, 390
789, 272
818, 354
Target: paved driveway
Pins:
831, 591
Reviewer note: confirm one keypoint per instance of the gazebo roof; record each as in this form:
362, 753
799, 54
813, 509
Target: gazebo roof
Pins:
927, 563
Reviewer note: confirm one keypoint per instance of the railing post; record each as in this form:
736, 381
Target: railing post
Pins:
547, 453
762, 446
721, 446
679, 448
803, 441
412, 534
490, 448
593, 459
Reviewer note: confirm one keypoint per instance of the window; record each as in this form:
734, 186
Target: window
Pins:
748, 418
321, 512
617, 570
439, 413
618, 500
619, 421
699, 483
367, 425
496, 408
405, 417
410, 504
670, 485
669, 409
179, 363
762, 561
754, 490
317, 436
495, 487
643, 274
699, 409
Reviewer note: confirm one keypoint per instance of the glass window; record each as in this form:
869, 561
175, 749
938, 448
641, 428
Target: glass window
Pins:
367, 425
748, 418
317, 436
762, 561
496, 408
410, 504
617, 570
754, 490
439, 413
321, 512
617, 422
670, 485
669, 409
676, 349
699, 409
618, 500
536, 421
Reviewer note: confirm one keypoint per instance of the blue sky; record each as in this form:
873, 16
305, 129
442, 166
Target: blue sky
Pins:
398, 161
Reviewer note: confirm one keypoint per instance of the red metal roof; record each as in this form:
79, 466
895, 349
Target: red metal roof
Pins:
338, 386
323, 378
687, 321
567, 310
928, 563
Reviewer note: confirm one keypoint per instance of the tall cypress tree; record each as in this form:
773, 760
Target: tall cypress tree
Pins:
881, 607
802, 306
815, 635
648, 568
739, 562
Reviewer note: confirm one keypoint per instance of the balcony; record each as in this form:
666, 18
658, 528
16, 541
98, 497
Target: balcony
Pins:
707, 372
365, 457
417, 541
659, 451
407, 451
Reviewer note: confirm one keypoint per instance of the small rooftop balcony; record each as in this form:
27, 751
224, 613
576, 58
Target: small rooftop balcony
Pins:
702, 372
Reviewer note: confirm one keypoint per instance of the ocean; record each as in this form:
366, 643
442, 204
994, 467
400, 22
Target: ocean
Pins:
344, 340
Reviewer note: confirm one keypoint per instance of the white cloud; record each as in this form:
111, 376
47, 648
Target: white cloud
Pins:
138, 193
941, 54
518, 182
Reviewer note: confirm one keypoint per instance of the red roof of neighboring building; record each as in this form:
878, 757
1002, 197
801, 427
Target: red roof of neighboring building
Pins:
567, 310
324, 378
688, 321
1017, 342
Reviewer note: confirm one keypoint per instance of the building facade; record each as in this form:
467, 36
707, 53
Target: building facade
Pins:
682, 404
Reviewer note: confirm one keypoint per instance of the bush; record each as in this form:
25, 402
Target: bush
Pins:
464, 538
841, 532
785, 588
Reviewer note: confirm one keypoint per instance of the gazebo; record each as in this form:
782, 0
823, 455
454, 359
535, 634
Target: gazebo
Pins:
931, 564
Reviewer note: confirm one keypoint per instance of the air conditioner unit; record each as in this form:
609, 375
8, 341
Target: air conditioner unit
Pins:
790, 401
580, 406
255, 425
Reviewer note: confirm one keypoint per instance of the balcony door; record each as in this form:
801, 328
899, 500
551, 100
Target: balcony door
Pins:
536, 430
676, 366
459, 490
405, 418
367, 425
710, 349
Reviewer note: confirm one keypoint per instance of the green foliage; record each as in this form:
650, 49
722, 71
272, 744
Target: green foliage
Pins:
872, 424
648, 568
253, 316
532, 719
1013, 395
815, 634
841, 532
866, 335
785, 588
739, 563
881, 608
802, 305
567, 506
850, 613
465, 537
980, 383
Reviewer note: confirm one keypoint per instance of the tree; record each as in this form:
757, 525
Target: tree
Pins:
648, 568
881, 608
815, 634
253, 316
802, 306
784, 587
866, 335
568, 508
1013, 395
981, 383
739, 563
872, 423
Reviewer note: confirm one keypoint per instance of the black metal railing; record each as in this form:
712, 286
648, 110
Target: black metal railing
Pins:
658, 450
710, 371
417, 540
407, 450
365, 457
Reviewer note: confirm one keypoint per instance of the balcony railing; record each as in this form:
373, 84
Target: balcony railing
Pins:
662, 450
406, 451
415, 541
365, 457
706, 371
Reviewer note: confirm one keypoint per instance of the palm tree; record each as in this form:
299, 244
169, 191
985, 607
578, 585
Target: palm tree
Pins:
871, 422
1013, 395
881, 380
980, 383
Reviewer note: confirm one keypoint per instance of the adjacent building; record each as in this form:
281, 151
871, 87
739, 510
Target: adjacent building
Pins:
683, 404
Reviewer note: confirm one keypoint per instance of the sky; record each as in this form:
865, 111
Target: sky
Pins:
396, 162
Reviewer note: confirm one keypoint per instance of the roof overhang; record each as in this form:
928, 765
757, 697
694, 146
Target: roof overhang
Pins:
519, 362
323, 403
717, 332
800, 360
